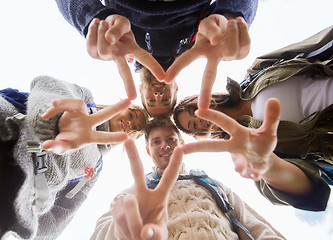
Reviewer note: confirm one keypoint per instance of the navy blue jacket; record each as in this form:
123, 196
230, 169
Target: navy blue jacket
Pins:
166, 29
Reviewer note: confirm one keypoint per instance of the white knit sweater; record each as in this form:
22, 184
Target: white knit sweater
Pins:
194, 214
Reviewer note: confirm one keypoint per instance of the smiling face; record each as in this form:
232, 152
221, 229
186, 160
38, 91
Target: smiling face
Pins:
127, 121
158, 98
160, 145
190, 122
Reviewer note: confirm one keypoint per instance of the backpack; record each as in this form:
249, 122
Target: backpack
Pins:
201, 178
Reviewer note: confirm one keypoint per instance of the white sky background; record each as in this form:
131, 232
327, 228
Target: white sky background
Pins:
35, 40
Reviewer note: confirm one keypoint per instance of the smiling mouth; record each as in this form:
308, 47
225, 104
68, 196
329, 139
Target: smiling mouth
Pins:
166, 154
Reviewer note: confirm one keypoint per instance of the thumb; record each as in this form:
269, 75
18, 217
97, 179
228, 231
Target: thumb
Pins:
118, 26
211, 27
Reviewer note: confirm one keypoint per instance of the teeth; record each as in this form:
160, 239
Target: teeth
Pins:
166, 155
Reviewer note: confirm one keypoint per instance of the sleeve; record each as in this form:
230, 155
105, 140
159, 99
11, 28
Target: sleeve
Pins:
52, 223
44, 90
9, 125
316, 201
316, 44
244, 8
105, 227
259, 228
80, 13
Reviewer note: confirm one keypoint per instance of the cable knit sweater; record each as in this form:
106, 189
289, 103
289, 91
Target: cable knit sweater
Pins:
58, 210
194, 214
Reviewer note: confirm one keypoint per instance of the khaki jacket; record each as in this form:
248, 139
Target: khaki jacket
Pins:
307, 141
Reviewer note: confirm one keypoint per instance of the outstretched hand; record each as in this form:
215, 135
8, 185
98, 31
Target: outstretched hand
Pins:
77, 127
251, 149
217, 39
144, 215
113, 39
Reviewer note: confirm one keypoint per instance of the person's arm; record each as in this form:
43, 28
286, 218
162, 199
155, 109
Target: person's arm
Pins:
246, 9
221, 36
259, 227
287, 177
80, 13
317, 198
252, 154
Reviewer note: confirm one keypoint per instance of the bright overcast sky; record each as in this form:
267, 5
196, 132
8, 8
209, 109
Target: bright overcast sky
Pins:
36, 40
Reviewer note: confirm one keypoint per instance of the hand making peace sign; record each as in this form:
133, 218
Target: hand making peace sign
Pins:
144, 215
251, 149
113, 39
217, 39
76, 126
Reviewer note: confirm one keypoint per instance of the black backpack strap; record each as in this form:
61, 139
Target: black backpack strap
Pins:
201, 178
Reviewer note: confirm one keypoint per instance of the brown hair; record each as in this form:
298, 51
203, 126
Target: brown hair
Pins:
218, 101
160, 122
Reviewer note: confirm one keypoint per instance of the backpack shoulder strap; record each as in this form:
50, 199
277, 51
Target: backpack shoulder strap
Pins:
201, 178
152, 179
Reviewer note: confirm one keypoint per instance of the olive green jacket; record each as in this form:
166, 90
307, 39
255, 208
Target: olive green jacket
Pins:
301, 143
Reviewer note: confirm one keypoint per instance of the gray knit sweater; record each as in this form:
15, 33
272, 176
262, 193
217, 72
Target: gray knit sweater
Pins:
58, 210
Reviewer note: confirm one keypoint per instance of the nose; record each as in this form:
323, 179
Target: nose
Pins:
165, 146
129, 124
158, 96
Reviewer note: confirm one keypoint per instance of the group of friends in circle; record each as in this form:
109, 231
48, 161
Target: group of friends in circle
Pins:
277, 124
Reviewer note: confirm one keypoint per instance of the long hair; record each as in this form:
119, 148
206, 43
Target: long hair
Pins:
218, 102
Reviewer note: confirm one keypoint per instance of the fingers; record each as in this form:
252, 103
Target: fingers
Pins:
91, 39
103, 50
118, 26
57, 147
207, 83
244, 38
149, 62
136, 165
107, 137
272, 116
212, 28
110, 111
66, 104
206, 146
222, 120
231, 46
153, 232
171, 173
133, 217
180, 63
126, 75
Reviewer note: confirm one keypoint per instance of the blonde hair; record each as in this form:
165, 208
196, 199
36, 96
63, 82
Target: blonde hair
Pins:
146, 76
134, 134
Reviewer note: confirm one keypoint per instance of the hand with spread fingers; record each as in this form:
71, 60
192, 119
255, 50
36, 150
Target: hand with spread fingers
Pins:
143, 215
217, 39
113, 39
251, 149
77, 127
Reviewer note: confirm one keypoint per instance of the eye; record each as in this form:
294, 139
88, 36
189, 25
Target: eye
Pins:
130, 115
156, 142
194, 126
151, 100
165, 100
172, 139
